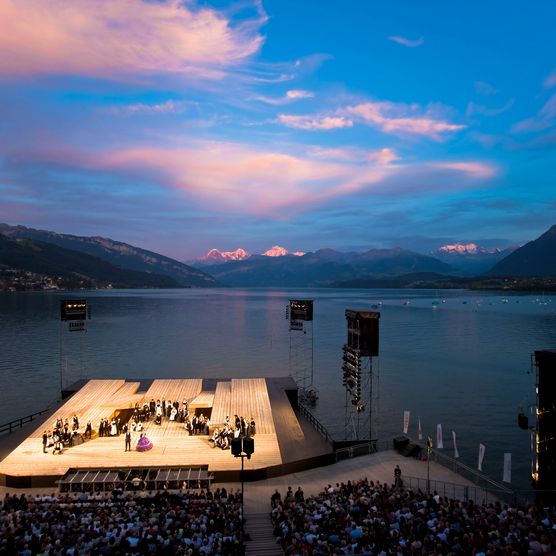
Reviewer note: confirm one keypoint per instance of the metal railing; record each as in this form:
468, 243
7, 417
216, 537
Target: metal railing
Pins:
363, 449
482, 481
8, 428
478, 494
317, 425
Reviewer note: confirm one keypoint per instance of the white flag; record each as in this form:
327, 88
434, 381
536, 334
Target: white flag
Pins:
456, 453
507, 478
481, 456
439, 441
405, 421
419, 431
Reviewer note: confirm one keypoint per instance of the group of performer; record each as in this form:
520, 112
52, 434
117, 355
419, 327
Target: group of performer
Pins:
62, 434
222, 438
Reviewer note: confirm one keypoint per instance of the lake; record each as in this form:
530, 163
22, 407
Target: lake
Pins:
459, 358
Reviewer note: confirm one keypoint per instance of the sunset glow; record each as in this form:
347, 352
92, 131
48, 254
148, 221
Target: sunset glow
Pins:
179, 126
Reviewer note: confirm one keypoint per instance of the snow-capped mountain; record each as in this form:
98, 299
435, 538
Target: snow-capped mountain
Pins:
279, 251
470, 258
467, 249
215, 256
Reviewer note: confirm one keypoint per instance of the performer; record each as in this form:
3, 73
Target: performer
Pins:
144, 444
44, 441
128, 441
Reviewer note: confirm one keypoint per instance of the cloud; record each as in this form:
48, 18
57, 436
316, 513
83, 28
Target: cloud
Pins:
544, 119
389, 117
474, 108
289, 96
550, 80
383, 156
122, 40
233, 178
477, 170
397, 118
407, 42
314, 123
168, 107
484, 88
298, 93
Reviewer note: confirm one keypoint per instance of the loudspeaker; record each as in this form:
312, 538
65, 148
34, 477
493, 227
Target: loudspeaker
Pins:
236, 447
522, 421
248, 446
363, 331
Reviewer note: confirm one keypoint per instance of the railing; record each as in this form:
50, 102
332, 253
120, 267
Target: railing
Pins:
481, 480
317, 425
458, 491
8, 428
363, 449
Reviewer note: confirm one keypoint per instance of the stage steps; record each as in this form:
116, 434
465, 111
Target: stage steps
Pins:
258, 528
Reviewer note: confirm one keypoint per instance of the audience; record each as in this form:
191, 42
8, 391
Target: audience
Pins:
88, 525
365, 517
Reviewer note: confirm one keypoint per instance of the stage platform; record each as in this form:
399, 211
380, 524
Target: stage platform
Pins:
284, 441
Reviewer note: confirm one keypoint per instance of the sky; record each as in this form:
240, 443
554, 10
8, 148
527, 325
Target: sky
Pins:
179, 126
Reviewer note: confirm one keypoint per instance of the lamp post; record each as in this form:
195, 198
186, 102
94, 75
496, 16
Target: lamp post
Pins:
242, 447
429, 451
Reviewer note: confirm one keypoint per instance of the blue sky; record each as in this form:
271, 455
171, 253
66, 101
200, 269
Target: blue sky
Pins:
182, 126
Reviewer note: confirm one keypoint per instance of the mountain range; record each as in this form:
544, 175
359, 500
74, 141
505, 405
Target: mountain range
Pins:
323, 267
469, 258
536, 258
116, 257
76, 261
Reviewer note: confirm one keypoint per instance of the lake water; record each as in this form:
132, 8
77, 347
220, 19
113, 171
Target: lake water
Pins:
465, 364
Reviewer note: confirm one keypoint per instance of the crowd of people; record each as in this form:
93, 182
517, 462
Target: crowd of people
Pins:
366, 517
187, 523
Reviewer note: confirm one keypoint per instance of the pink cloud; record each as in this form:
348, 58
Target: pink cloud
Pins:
247, 179
287, 98
476, 170
407, 42
402, 119
314, 123
116, 40
298, 93
383, 156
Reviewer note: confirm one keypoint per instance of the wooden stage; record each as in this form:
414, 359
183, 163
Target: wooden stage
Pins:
284, 441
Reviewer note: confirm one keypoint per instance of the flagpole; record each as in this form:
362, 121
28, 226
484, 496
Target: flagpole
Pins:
429, 450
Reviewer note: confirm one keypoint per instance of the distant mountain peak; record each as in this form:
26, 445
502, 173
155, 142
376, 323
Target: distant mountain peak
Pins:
279, 251
466, 249
217, 256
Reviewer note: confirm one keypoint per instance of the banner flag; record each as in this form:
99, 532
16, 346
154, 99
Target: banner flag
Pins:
420, 432
439, 441
456, 453
405, 421
481, 456
507, 478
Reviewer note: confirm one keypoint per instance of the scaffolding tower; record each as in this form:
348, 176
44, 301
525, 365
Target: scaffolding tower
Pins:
360, 375
299, 314
74, 314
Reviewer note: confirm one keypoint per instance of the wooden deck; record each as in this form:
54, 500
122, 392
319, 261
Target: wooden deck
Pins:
173, 446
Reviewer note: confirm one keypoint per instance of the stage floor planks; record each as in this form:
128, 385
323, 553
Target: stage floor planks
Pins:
173, 446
